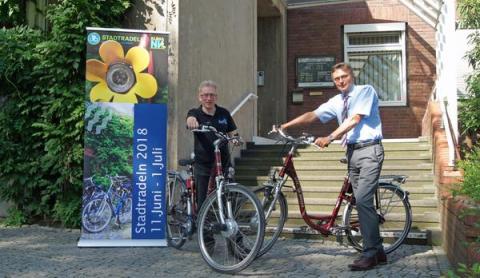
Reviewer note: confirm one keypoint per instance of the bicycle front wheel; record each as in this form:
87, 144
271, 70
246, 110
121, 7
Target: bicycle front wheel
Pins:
176, 211
394, 214
275, 221
232, 246
96, 215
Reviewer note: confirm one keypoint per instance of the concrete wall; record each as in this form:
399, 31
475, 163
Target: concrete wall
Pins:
217, 40
213, 39
318, 31
272, 97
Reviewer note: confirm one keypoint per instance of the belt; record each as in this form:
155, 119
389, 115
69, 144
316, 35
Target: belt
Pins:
360, 145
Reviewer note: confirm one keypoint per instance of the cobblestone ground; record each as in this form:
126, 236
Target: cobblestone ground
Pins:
35, 251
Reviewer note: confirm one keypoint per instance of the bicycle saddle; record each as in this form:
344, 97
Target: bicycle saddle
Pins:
185, 162
390, 178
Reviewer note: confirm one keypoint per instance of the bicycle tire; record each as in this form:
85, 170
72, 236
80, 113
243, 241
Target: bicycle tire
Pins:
265, 195
231, 248
94, 219
395, 217
176, 212
125, 214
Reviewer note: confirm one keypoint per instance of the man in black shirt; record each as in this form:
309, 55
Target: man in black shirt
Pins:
208, 113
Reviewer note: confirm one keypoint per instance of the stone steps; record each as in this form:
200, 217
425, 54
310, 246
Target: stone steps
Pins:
321, 176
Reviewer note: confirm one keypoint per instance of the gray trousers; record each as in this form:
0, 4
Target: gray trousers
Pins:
364, 167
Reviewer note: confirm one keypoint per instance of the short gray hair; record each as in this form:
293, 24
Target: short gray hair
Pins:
207, 83
342, 66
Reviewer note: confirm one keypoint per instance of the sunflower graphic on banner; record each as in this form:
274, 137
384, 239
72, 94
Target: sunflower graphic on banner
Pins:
126, 93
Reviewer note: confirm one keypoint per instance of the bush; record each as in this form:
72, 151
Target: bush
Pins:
471, 167
42, 100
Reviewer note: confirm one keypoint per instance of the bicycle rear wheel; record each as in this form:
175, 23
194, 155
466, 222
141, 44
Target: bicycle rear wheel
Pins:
231, 247
176, 211
125, 214
394, 214
275, 221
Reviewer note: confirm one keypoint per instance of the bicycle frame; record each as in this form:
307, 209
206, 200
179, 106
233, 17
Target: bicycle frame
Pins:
216, 182
112, 195
288, 170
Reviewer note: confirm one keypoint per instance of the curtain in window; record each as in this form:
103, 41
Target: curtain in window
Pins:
379, 69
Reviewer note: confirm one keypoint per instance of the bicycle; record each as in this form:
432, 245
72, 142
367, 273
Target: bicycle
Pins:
391, 202
102, 207
230, 232
90, 190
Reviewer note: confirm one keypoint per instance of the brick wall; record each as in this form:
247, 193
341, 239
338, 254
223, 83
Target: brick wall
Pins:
457, 230
318, 31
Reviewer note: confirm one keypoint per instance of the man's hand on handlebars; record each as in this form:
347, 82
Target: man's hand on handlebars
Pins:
277, 129
192, 123
236, 142
322, 142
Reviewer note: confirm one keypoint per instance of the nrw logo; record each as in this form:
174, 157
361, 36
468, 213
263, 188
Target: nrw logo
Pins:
93, 38
101, 116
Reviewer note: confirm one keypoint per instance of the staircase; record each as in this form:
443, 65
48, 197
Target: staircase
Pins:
321, 176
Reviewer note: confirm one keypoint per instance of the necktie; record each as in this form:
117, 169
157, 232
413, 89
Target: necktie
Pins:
344, 117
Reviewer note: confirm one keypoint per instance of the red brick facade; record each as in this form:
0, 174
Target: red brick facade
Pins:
459, 233
318, 31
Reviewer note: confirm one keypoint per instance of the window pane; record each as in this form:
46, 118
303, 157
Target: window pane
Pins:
379, 69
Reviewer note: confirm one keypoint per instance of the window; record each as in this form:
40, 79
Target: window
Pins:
377, 55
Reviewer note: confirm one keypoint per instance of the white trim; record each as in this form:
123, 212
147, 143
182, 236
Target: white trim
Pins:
370, 48
309, 5
374, 27
126, 30
392, 103
121, 242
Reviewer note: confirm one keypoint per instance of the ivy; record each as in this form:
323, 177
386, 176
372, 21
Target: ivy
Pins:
42, 99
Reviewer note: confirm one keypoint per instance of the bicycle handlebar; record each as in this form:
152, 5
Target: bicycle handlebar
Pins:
306, 138
220, 135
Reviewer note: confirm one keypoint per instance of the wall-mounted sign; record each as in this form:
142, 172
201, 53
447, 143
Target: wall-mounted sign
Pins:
315, 71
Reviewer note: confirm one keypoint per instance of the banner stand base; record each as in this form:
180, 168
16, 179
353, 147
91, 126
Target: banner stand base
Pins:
122, 243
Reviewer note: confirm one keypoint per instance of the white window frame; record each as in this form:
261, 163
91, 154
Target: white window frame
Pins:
401, 46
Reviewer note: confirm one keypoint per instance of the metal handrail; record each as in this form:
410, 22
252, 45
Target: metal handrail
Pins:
243, 101
453, 150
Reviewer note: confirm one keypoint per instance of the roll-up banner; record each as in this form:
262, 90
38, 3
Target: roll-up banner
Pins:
126, 93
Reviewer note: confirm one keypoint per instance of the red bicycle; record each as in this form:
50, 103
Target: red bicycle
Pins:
230, 223
391, 202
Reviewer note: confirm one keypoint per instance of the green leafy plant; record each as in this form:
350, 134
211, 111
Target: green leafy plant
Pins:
465, 271
469, 108
11, 13
15, 218
42, 77
471, 166
111, 147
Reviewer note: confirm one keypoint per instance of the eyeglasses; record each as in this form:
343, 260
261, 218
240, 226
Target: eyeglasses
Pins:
341, 77
208, 95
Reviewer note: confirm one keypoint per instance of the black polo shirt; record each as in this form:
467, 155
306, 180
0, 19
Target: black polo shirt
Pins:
203, 142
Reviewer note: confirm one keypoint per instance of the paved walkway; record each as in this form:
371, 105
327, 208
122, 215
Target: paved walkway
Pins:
34, 251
